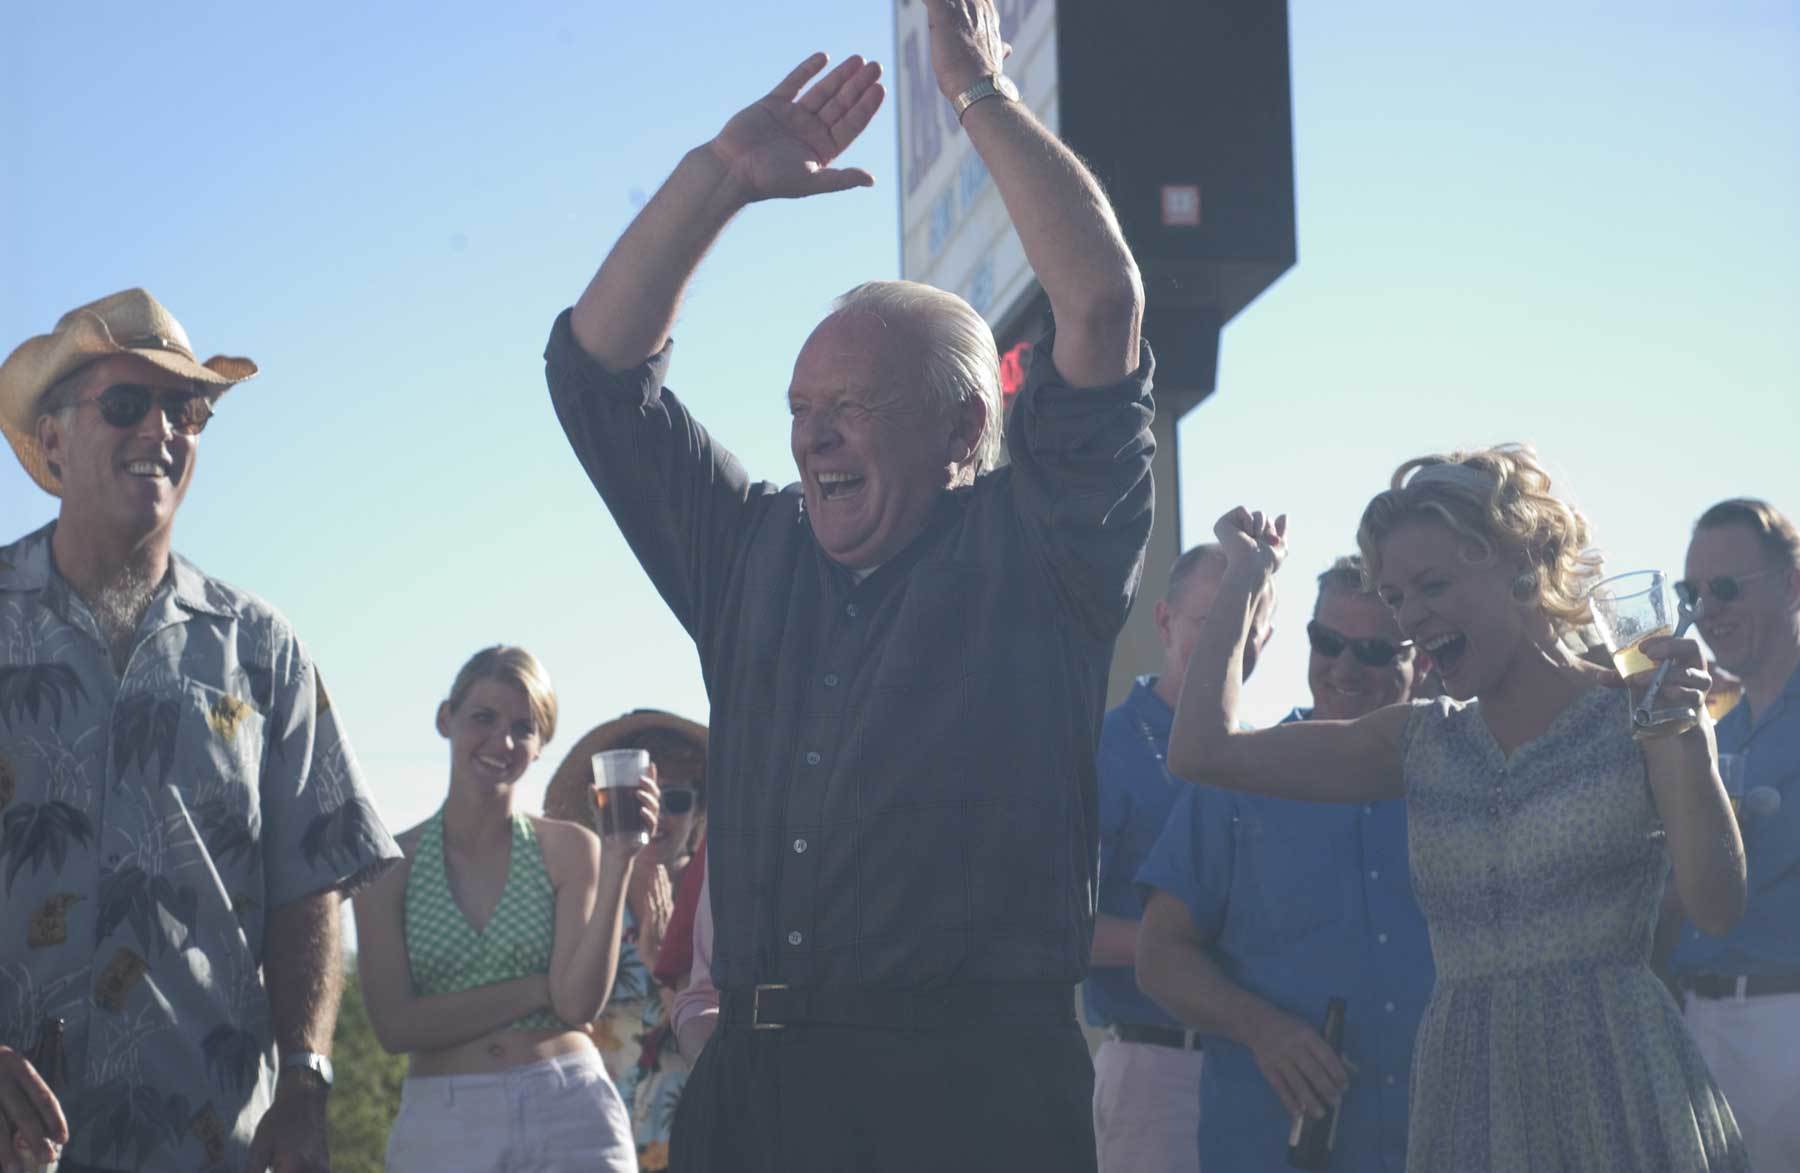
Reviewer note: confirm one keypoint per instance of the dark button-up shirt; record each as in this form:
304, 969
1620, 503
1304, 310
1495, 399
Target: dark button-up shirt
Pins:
901, 784
1304, 902
152, 820
1136, 794
1767, 940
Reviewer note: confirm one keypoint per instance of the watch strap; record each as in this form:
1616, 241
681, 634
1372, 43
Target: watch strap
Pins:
311, 1061
994, 85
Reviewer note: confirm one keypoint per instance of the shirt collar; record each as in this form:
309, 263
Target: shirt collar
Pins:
1149, 708
189, 589
25, 565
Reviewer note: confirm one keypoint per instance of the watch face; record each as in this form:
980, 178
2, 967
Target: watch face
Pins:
1006, 87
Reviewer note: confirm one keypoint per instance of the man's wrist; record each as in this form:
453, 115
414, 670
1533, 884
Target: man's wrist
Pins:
307, 1071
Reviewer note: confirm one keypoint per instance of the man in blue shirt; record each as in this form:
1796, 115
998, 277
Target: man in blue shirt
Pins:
1260, 910
1741, 991
1147, 1072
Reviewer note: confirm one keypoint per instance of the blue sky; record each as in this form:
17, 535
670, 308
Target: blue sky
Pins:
1569, 224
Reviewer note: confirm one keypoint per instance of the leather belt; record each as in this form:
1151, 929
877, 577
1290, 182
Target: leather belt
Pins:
1716, 985
1158, 1036
775, 1007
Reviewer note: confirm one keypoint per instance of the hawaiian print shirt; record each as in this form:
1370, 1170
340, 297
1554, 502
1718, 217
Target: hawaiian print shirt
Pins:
148, 824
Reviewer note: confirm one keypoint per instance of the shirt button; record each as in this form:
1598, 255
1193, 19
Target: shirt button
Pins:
1493, 810
1381, 938
852, 610
831, 680
1389, 1081
794, 938
1374, 873
799, 847
1369, 809
1389, 1007
812, 757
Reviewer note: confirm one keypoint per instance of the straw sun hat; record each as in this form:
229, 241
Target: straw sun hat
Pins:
131, 322
567, 795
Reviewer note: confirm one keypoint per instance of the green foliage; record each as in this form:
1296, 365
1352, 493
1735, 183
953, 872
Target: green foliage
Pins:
366, 1096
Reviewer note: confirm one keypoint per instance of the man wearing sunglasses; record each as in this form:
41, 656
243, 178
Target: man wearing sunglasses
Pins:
182, 810
1741, 991
1260, 910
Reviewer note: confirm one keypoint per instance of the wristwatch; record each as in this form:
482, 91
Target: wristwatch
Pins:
312, 1061
994, 85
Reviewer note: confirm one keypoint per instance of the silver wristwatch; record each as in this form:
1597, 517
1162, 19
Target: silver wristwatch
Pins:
994, 85
312, 1061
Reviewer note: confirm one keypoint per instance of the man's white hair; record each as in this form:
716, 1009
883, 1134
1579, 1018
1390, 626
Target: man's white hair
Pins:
959, 358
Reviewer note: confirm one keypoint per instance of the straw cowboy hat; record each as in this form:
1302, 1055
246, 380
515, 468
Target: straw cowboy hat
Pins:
131, 322
567, 795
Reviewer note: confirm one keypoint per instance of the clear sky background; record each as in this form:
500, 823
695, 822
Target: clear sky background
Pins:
1573, 224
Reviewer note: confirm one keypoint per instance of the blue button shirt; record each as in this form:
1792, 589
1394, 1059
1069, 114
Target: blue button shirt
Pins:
1767, 939
1136, 795
1304, 902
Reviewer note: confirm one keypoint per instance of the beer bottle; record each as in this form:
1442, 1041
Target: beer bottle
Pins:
47, 1057
1310, 1141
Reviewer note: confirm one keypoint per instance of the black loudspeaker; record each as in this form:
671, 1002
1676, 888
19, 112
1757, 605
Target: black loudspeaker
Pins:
1183, 109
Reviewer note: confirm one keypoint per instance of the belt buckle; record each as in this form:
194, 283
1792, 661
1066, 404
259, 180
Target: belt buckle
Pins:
756, 1022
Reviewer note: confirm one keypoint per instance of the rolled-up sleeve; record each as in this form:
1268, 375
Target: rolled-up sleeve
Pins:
320, 831
678, 497
1192, 860
1082, 487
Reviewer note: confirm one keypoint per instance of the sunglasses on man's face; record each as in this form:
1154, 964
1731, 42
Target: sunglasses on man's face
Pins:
1376, 653
124, 405
1726, 588
678, 800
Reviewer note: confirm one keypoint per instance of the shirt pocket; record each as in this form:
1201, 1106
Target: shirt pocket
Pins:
1290, 880
217, 774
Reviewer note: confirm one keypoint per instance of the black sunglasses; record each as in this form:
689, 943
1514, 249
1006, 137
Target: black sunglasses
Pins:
123, 405
1376, 653
1726, 587
678, 800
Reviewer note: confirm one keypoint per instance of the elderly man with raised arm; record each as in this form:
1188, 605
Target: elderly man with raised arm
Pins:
906, 652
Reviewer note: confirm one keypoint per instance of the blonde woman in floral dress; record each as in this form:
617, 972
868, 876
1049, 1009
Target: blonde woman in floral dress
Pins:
1541, 831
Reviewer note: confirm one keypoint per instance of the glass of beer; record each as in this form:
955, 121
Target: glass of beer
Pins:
1629, 609
616, 774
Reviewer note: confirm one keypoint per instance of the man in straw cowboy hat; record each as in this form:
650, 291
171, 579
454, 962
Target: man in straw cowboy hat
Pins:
906, 653
181, 809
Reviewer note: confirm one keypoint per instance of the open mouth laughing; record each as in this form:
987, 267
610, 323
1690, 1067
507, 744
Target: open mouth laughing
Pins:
1446, 650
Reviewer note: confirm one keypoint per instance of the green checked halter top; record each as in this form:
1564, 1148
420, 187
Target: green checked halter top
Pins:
446, 954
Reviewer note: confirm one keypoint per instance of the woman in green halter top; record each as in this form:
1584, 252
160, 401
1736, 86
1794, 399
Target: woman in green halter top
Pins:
482, 954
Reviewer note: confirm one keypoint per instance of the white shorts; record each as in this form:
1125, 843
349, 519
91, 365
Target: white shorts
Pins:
552, 1115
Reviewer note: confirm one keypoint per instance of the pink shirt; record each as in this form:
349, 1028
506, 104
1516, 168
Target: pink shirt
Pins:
698, 997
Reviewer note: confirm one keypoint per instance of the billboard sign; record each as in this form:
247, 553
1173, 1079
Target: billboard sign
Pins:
954, 232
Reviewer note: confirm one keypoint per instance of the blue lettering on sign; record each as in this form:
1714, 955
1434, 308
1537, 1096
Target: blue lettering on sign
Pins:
943, 220
981, 286
971, 177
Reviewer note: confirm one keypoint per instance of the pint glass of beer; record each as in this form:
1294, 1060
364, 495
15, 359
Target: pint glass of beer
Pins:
616, 774
1629, 609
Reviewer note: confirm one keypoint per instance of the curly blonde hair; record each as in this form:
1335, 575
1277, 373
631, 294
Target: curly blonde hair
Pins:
1499, 500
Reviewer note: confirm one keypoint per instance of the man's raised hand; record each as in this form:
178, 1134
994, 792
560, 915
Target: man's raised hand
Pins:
781, 147
965, 43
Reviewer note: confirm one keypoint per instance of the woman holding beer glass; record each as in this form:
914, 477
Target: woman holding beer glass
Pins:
496, 938
1541, 829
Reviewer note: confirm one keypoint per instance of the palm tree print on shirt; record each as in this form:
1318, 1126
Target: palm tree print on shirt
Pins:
41, 832
153, 906
144, 728
26, 690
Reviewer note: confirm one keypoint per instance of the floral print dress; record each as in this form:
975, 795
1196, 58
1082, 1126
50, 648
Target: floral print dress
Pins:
1548, 1045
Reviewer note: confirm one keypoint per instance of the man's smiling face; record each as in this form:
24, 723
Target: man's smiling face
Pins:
127, 480
873, 446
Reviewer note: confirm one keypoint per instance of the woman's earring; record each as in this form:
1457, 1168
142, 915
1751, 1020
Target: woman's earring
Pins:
1524, 587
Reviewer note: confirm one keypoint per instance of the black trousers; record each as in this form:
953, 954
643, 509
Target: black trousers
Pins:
864, 1100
